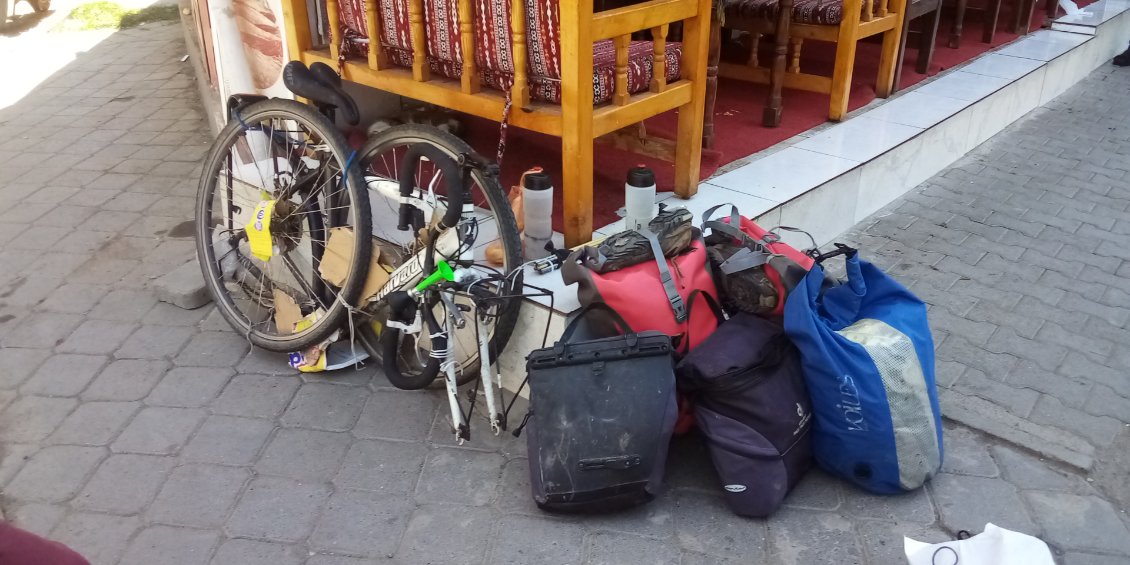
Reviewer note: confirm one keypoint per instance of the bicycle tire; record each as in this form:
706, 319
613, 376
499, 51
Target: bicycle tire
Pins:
357, 215
507, 230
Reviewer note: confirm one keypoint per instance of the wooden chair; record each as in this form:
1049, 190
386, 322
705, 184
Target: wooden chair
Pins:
1022, 19
771, 115
1023, 15
843, 22
918, 10
567, 71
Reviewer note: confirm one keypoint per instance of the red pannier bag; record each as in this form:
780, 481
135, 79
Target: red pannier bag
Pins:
679, 300
755, 269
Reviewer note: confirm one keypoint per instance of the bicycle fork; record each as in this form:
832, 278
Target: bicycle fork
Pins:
489, 390
453, 320
459, 423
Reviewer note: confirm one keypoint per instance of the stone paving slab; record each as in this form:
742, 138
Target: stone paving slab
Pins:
140, 433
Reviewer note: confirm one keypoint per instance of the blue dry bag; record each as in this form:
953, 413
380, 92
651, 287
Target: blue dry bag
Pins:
868, 360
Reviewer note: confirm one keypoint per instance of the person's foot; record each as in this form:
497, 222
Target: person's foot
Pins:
1122, 59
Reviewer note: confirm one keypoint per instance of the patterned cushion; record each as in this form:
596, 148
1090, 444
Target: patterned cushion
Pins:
493, 57
818, 12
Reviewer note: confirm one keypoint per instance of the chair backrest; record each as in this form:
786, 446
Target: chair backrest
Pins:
441, 20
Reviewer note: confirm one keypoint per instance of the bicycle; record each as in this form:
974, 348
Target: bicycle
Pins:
437, 204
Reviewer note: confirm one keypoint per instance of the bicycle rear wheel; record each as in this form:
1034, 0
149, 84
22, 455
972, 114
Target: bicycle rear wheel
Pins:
380, 161
280, 185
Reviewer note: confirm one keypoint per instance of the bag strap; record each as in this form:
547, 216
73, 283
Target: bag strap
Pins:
668, 281
617, 319
715, 308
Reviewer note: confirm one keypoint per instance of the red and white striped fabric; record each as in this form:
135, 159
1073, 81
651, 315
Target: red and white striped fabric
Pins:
492, 45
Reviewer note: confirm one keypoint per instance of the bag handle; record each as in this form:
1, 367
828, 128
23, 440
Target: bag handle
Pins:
617, 319
841, 249
797, 230
839, 306
734, 217
733, 230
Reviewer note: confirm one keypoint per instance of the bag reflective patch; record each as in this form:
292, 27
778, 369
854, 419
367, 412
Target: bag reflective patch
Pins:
735, 488
916, 441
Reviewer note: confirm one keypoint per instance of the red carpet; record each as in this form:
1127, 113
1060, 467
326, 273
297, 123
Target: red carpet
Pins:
738, 129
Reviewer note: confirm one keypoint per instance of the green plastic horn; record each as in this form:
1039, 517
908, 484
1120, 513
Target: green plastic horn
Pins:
443, 271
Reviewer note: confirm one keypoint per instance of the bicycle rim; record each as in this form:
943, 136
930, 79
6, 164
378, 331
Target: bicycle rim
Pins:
279, 185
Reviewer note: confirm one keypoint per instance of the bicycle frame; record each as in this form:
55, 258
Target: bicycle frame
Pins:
411, 271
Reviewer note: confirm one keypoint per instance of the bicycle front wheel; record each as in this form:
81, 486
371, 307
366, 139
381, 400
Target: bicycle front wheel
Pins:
282, 226
380, 160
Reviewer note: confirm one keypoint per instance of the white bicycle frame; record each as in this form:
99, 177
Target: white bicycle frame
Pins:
411, 272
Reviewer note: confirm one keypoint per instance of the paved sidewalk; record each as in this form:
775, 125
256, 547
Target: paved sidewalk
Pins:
1022, 249
140, 433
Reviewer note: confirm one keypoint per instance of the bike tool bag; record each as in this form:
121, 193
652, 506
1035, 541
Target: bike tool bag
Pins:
752, 408
602, 411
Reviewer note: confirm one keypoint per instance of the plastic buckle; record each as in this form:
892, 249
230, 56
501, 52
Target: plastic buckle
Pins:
679, 307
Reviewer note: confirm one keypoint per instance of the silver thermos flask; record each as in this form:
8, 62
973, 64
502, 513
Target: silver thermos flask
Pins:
537, 213
639, 198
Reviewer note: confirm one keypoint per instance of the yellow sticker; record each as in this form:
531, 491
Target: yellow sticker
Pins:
259, 232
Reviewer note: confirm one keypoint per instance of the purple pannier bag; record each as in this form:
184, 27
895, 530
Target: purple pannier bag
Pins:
751, 405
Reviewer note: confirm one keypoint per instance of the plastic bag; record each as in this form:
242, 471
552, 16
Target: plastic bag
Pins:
994, 546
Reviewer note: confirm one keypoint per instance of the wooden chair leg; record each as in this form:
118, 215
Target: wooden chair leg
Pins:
771, 116
712, 56
576, 121
902, 54
992, 16
1052, 9
926, 42
688, 147
576, 186
958, 22
884, 83
1024, 10
841, 73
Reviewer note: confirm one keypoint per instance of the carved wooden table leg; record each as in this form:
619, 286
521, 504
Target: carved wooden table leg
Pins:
958, 18
992, 15
926, 45
771, 116
712, 56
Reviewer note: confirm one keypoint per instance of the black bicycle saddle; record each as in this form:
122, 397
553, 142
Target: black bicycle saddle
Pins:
320, 84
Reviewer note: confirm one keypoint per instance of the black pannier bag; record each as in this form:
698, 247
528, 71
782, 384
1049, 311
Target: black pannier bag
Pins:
751, 405
601, 416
